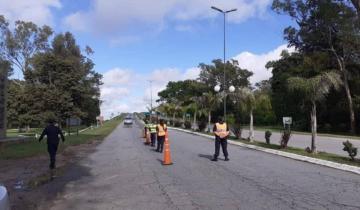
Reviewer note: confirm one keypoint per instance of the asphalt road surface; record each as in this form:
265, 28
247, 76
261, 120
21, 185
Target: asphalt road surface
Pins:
323, 143
125, 174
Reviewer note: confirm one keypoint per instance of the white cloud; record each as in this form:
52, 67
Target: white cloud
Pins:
38, 11
121, 94
116, 77
256, 63
115, 16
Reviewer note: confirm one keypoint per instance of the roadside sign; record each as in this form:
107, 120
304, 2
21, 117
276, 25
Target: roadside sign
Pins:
287, 120
74, 121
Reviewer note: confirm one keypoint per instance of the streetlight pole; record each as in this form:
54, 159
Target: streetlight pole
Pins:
224, 82
151, 106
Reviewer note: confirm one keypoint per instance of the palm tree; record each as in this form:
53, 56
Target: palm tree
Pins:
197, 106
315, 89
246, 98
210, 102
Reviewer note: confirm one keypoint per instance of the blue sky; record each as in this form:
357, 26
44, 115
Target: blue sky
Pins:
159, 40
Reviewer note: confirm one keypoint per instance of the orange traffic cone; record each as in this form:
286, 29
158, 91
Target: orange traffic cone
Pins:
167, 156
144, 133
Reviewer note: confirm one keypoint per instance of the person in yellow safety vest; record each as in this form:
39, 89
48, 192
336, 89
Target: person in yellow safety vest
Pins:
161, 130
221, 131
146, 127
152, 130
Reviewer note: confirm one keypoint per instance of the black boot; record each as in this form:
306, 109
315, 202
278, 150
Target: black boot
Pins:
214, 159
227, 159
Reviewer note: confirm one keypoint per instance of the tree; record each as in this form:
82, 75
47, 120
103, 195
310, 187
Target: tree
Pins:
320, 30
212, 75
246, 99
314, 90
4, 72
65, 78
210, 101
20, 45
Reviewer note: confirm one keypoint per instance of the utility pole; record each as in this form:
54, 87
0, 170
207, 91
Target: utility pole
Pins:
151, 100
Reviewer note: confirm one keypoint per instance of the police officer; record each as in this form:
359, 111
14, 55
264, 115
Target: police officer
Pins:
146, 127
152, 130
52, 132
161, 130
221, 131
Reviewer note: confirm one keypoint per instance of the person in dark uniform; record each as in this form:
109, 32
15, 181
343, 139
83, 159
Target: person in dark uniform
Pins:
221, 131
52, 132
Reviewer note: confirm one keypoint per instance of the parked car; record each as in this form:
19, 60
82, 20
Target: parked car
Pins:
4, 198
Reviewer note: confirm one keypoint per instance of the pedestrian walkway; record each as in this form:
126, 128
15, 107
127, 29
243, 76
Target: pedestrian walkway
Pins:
323, 143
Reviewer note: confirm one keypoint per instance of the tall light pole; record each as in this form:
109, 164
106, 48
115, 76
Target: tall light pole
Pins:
224, 82
151, 106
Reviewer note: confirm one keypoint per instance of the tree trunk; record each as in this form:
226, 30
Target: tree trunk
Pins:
350, 103
251, 132
173, 119
313, 128
194, 123
3, 93
209, 121
356, 4
341, 64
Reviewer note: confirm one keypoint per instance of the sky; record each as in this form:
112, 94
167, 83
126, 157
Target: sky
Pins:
136, 42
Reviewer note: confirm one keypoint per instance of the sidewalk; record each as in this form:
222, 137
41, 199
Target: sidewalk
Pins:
323, 143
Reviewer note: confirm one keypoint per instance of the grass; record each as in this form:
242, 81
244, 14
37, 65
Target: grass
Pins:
298, 151
33, 131
12, 150
280, 129
320, 155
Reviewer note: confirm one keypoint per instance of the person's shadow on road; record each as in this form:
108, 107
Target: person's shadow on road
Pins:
206, 156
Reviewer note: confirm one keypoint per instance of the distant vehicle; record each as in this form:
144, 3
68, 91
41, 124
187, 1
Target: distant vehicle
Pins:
128, 121
4, 198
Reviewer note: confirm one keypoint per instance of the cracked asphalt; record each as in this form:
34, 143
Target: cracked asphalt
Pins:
125, 174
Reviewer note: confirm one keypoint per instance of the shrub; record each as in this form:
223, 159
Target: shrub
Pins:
187, 125
267, 136
202, 125
285, 137
236, 129
348, 147
178, 124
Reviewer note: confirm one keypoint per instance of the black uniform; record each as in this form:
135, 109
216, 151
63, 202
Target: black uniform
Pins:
220, 142
52, 132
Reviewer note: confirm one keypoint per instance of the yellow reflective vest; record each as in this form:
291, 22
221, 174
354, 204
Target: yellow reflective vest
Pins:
161, 130
221, 130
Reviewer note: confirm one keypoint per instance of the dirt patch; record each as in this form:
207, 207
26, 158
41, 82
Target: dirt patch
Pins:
29, 180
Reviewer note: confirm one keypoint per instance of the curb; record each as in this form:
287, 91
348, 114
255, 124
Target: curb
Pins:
339, 166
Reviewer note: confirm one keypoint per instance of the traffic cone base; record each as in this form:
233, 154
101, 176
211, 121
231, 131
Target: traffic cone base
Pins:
167, 155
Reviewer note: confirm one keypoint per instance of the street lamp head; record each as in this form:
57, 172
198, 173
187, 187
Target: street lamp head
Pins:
232, 10
217, 9
231, 89
217, 88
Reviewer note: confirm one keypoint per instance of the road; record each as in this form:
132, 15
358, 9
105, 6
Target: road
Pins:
125, 174
323, 143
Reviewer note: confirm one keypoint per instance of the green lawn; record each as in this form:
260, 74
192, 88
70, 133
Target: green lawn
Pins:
280, 129
299, 151
33, 147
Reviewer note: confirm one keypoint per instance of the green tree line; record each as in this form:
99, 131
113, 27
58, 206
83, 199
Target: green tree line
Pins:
318, 85
59, 80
